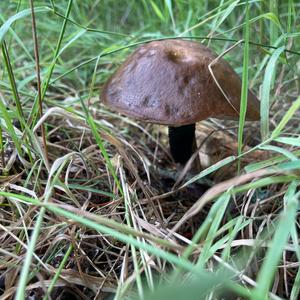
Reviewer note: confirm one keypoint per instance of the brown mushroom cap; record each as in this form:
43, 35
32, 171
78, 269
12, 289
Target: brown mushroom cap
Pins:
168, 82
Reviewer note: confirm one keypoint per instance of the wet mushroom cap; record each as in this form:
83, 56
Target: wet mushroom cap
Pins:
169, 82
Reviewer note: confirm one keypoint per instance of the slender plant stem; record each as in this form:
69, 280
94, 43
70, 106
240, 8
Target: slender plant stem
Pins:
37, 65
45, 84
2, 151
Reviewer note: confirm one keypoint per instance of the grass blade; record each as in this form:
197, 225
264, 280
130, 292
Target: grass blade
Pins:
289, 141
244, 91
266, 87
286, 221
295, 106
22, 14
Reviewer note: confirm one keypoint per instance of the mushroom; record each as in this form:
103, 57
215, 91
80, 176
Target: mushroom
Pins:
169, 82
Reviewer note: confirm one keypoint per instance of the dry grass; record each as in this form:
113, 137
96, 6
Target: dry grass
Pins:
107, 213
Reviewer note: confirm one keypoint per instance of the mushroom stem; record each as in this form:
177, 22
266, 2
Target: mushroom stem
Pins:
182, 142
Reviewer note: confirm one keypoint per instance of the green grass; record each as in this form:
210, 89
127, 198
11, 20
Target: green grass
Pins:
91, 211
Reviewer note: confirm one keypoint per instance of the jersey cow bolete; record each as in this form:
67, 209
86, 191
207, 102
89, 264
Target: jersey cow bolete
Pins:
169, 82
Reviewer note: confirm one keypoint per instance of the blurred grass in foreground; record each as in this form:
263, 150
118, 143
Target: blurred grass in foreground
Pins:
95, 217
